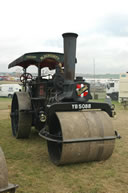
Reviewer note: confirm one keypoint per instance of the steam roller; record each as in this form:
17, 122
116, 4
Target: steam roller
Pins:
4, 185
60, 108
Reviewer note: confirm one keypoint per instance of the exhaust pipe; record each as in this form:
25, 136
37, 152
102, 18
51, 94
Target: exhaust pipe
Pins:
69, 55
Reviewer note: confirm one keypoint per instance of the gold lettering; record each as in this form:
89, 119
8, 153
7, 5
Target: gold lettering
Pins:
31, 57
49, 56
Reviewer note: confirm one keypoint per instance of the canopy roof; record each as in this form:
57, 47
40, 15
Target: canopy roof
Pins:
39, 59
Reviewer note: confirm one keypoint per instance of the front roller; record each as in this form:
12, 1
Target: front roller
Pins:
21, 119
80, 137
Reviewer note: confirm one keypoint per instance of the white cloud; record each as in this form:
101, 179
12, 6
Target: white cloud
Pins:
37, 25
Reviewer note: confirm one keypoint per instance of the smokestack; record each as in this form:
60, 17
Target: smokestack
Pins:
69, 55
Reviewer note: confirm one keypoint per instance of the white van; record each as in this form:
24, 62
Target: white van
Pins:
112, 89
7, 90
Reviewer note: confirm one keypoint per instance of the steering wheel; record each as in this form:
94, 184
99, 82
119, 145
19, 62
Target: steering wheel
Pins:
25, 77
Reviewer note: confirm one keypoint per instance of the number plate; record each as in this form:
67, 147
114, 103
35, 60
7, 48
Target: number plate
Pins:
81, 106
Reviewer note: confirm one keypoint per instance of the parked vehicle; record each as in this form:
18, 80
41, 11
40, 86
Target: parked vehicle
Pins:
123, 87
7, 90
60, 108
112, 89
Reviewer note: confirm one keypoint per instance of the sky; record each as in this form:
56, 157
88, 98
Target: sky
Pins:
38, 25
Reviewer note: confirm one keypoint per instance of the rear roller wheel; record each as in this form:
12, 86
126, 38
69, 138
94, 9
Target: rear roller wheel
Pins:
21, 119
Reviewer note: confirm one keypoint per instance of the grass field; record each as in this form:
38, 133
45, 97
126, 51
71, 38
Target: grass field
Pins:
5, 103
30, 167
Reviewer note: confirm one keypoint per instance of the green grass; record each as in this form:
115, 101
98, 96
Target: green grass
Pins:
5, 103
30, 167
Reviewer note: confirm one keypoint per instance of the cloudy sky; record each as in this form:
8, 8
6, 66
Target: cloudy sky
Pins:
37, 25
